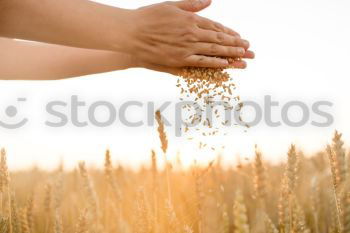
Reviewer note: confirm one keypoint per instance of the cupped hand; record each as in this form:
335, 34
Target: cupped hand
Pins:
170, 34
177, 71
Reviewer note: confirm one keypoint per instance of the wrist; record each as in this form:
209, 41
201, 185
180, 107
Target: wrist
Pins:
120, 36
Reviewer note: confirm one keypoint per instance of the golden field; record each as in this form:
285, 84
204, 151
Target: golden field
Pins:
306, 194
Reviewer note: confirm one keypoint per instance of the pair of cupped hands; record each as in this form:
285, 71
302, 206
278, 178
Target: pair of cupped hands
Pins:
170, 35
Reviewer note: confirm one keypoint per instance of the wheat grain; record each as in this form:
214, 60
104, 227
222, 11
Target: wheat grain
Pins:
206, 87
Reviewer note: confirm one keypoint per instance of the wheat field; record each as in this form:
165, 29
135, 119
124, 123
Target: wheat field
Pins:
304, 194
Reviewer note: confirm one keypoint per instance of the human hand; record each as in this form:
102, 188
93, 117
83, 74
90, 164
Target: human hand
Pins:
177, 71
170, 34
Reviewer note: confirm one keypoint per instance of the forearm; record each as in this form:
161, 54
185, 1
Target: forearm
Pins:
20, 60
77, 23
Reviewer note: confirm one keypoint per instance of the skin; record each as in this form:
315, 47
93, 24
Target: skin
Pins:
40, 61
163, 37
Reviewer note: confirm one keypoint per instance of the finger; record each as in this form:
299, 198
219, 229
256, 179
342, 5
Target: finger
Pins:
160, 68
231, 32
191, 5
204, 61
208, 24
210, 49
221, 38
239, 64
249, 55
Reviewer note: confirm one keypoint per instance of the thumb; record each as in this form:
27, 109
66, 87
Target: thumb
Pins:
192, 5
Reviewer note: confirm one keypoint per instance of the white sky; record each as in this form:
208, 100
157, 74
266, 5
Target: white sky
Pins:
302, 52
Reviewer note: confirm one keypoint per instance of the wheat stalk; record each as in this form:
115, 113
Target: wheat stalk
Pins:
57, 227
283, 207
5, 177
4, 224
319, 203
225, 221
291, 169
346, 213
240, 219
110, 177
29, 211
259, 177
336, 181
47, 204
164, 147
89, 190
270, 227
315, 202
155, 189
174, 224
82, 225
339, 153
24, 221
298, 218
143, 216
187, 229
291, 177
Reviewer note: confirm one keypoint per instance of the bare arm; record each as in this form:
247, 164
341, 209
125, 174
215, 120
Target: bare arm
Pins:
78, 23
22, 60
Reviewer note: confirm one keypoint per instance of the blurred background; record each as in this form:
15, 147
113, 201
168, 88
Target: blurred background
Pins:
302, 53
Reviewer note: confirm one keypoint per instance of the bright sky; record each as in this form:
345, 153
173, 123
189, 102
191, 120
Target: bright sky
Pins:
302, 52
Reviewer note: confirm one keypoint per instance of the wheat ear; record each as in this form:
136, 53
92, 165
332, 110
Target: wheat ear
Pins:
259, 178
240, 219
164, 147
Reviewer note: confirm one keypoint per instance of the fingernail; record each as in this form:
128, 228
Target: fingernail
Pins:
246, 43
224, 62
253, 55
241, 51
203, 1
